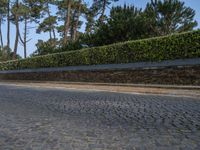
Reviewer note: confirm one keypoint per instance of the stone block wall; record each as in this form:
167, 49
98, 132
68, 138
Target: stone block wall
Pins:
171, 75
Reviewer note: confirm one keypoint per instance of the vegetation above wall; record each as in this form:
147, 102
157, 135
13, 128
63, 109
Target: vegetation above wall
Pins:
65, 25
177, 46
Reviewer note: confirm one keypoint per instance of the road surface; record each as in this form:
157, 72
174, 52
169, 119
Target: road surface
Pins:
57, 119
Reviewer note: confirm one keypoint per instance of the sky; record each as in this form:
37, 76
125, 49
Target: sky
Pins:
194, 4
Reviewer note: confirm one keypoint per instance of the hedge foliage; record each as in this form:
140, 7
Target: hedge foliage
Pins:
177, 46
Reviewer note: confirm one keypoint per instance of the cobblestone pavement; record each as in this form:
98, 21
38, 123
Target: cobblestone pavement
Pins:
55, 119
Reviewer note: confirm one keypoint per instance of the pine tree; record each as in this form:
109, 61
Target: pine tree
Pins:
50, 19
77, 13
3, 12
124, 23
90, 14
169, 16
101, 6
8, 24
15, 13
48, 25
25, 11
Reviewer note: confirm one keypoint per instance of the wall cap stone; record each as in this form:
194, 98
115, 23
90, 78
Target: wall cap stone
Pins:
132, 66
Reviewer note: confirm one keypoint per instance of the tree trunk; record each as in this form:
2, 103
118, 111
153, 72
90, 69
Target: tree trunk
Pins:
24, 41
103, 11
16, 37
72, 24
50, 36
52, 30
1, 36
17, 32
77, 21
54, 33
25, 36
8, 24
67, 21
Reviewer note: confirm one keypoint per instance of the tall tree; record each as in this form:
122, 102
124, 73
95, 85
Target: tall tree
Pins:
15, 12
124, 23
77, 16
67, 21
65, 11
8, 24
48, 25
69, 13
101, 5
90, 20
27, 11
3, 6
25, 15
47, 12
79, 8
65, 15
169, 16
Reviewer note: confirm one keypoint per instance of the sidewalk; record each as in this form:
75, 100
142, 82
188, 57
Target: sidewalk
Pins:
170, 90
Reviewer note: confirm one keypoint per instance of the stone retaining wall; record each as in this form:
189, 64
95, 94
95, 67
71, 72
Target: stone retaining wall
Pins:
174, 75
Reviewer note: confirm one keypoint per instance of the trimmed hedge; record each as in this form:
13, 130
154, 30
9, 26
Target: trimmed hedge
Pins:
177, 46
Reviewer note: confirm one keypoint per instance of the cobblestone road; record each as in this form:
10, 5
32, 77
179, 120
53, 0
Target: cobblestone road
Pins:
53, 119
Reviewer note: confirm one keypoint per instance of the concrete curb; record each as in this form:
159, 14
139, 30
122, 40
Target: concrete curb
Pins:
177, 91
184, 87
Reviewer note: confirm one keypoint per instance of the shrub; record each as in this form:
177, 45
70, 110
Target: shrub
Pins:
177, 46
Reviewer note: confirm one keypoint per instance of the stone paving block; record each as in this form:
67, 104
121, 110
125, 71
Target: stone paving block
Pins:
49, 119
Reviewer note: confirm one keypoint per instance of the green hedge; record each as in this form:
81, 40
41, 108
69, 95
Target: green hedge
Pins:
177, 46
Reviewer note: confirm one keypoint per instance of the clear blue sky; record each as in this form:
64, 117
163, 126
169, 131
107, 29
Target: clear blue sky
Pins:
195, 4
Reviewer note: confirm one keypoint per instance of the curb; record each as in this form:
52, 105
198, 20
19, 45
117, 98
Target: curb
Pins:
179, 87
162, 90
